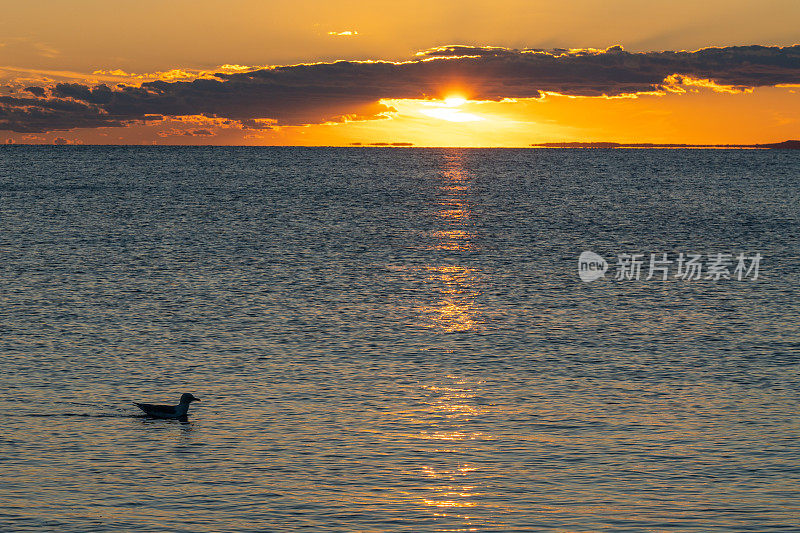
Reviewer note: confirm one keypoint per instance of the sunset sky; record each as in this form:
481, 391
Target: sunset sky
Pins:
467, 73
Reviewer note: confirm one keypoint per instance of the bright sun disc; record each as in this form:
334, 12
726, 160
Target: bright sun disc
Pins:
454, 101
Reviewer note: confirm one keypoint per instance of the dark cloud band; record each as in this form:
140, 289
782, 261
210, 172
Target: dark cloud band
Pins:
315, 93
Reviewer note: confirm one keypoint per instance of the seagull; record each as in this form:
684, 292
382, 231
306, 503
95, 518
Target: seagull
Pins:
177, 412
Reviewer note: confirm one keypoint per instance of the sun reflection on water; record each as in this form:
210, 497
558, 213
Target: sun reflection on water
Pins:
454, 308
452, 474
448, 300
456, 286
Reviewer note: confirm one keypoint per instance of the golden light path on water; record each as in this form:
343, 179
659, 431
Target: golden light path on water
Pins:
451, 401
457, 285
454, 488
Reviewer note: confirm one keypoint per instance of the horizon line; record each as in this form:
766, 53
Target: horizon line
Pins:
791, 144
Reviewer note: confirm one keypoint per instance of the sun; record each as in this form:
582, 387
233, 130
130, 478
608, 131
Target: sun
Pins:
448, 109
455, 101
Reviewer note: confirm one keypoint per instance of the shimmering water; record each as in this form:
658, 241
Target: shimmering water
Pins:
395, 340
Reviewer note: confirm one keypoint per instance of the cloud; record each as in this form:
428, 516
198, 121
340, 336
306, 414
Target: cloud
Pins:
256, 124
46, 50
198, 133
353, 90
675, 83
34, 115
36, 91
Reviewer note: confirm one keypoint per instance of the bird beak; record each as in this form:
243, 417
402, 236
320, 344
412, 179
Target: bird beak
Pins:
196, 399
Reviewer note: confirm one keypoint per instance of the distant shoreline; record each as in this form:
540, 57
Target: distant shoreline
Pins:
785, 145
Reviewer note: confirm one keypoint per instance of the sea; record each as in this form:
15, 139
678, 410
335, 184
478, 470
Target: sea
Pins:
399, 339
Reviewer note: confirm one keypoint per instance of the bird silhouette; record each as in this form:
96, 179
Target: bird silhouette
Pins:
174, 412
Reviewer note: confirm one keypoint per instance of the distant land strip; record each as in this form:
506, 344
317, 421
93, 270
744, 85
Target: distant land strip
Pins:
381, 144
785, 145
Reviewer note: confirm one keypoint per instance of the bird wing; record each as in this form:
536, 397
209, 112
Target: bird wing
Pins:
150, 408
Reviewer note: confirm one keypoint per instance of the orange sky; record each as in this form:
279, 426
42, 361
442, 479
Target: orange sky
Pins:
131, 43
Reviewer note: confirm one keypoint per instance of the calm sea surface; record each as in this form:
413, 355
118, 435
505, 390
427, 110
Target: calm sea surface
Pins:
396, 340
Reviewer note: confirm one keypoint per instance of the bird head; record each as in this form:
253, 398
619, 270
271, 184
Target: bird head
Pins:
188, 398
